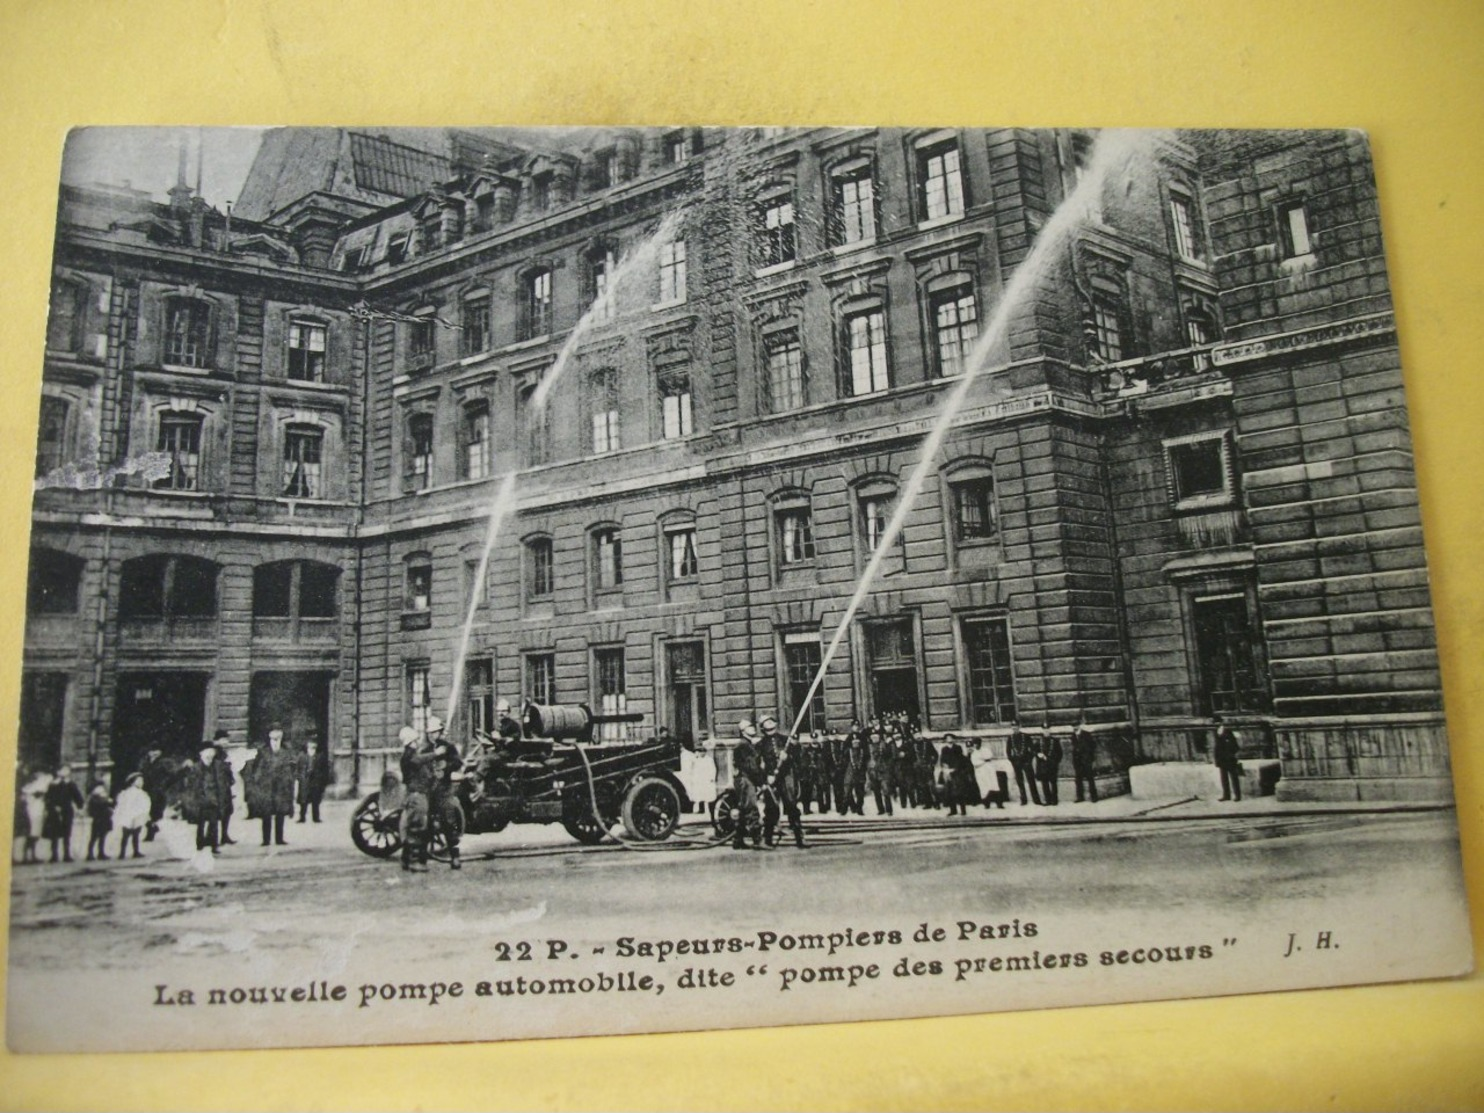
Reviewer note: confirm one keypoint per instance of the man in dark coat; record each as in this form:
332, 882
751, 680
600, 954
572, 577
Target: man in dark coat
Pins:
857, 766
158, 772
268, 781
418, 775
1048, 763
747, 775
228, 806
881, 769
443, 800
314, 778
507, 726
1084, 757
206, 784
63, 798
783, 778
1225, 753
1022, 754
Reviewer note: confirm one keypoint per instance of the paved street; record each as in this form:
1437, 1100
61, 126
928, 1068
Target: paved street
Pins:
319, 896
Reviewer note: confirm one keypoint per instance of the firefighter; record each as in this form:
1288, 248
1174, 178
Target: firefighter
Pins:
858, 764
747, 775
417, 781
783, 779
880, 771
443, 797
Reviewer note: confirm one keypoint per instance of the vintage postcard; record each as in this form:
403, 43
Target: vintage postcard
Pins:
494, 583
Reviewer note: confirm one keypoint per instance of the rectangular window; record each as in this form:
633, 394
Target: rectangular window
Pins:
607, 560
675, 415
188, 333
180, 439
865, 338
396, 247
533, 426
602, 279
484, 212
538, 305
892, 660
854, 207
1293, 230
419, 586
605, 428
672, 271
307, 351
474, 586
419, 451
681, 544
541, 678
541, 579
476, 436
420, 342
801, 660
775, 233
1226, 655
940, 180
955, 328
431, 227
613, 698
603, 170
317, 589
419, 696
479, 694
273, 590
685, 669
1183, 220
987, 660
64, 325
795, 536
51, 437
303, 446
1107, 319
541, 192
1198, 470
677, 148
973, 509
476, 326
786, 385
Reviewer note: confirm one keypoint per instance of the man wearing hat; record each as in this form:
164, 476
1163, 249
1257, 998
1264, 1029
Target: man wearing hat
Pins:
268, 783
206, 784
443, 801
417, 782
747, 775
781, 759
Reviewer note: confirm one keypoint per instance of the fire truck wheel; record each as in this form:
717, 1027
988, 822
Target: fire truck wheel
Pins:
583, 827
374, 833
651, 809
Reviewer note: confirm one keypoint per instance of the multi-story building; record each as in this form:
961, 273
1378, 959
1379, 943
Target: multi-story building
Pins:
702, 364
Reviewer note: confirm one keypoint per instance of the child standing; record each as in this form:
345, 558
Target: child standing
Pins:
131, 810
100, 811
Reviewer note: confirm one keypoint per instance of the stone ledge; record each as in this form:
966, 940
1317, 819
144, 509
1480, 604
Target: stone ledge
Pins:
1433, 790
1163, 780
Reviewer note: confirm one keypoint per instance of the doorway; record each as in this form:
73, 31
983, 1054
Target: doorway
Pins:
163, 711
299, 702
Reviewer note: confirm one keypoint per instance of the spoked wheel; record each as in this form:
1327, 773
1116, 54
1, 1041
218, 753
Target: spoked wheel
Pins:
722, 820
583, 826
450, 822
374, 832
651, 809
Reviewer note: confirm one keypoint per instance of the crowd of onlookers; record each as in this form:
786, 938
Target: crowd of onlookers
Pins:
201, 790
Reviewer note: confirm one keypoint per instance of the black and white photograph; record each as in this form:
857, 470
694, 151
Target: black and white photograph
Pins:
489, 583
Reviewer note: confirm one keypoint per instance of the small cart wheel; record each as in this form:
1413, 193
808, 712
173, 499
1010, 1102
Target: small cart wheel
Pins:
374, 832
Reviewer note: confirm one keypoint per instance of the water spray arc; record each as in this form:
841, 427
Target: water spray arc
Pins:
635, 264
1114, 151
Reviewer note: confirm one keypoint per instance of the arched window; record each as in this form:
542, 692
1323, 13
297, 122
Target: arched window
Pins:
163, 586
972, 510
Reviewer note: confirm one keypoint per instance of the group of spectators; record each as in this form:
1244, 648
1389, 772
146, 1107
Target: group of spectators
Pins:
202, 790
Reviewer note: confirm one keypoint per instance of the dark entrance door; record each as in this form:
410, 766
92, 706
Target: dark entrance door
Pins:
163, 711
894, 692
893, 664
299, 702
43, 705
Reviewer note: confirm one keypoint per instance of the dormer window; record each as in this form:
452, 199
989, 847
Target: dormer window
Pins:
396, 247
541, 191
676, 148
605, 166
307, 351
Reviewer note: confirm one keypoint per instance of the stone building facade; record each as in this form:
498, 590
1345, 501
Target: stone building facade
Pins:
271, 442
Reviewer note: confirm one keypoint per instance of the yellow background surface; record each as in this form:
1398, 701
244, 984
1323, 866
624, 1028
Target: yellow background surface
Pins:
1409, 72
